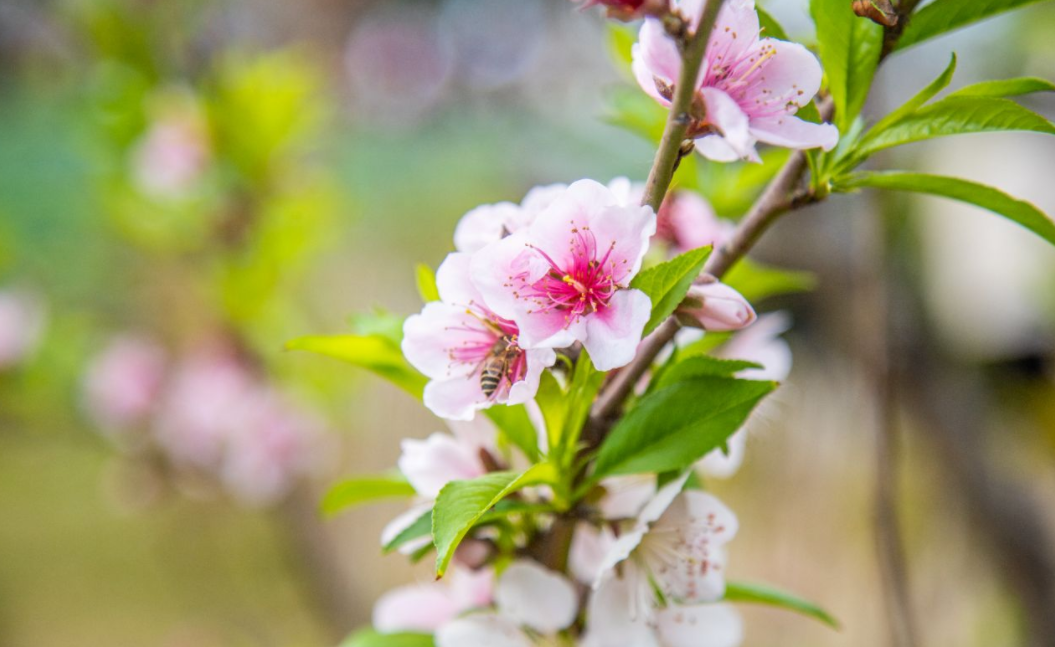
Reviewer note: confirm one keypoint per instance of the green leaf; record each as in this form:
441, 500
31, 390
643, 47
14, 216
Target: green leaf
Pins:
426, 281
757, 282
980, 195
676, 426
633, 110
375, 353
422, 527
378, 322
764, 594
1006, 88
944, 16
355, 491
371, 638
514, 423
953, 116
770, 27
703, 366
554, 403
666, 283
849, 49
461, 504
922, 97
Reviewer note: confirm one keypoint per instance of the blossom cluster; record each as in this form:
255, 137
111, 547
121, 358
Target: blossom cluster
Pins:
207, 413
532, 289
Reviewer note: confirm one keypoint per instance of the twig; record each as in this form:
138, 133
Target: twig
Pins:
678, 120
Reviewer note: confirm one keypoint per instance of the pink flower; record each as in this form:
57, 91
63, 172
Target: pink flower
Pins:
473, 357
528, 597
273, 445
205, 403
21, 325
565, 278
123, 383
716, 307
750, 87
173, 154
427, 607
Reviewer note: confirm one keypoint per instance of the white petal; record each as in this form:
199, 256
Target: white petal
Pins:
611, 620
792, 132
705, 625
418, 607
452, 280
481, 630
536, 597
484, 225
720, 465
613, 334
727, 116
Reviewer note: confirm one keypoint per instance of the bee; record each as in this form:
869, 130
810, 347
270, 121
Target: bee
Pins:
496, 364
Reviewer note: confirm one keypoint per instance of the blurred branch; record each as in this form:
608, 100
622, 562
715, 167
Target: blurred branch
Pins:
873, 321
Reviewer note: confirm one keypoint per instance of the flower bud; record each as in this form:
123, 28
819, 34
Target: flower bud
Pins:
716, 307
627, 10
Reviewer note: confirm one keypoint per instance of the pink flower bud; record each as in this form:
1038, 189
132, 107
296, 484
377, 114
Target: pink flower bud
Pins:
627, 10
716, 307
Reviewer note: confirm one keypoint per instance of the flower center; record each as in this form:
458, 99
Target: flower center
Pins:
490, 344
581, 285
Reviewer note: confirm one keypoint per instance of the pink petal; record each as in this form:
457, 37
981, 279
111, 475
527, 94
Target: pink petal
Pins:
735, 34
429, 336
418, 607
537, 361
484, 225
627, 231
655, 56
730, 120
492, 268
403, 521
791, 132
705, 625
536, 597
718, 307
452, 281
791, 75
537, 199
694, 221
456, 398
612, 334
436, 461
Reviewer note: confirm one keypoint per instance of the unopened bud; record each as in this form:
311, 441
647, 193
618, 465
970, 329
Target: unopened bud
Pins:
627, 10
716, 307
878, 11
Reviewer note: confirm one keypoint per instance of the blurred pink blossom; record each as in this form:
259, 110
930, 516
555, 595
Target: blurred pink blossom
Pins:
427, 607
123, 383
172, 155
22, 320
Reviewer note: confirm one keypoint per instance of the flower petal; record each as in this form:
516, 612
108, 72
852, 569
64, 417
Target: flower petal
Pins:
481, 630
612, 334
436, 461
428, 338
536, 597
725, 114
612, 621
791, 132
537, 362
486, 224
457, 398
492, 269
452, 280
417, 607
718, 307
705, 625
720, 465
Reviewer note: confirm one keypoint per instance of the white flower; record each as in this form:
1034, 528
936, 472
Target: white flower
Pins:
527, 597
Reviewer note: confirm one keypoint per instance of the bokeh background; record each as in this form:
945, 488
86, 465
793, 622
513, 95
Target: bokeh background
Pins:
213, 178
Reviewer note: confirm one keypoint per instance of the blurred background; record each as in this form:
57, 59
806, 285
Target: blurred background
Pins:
186, 185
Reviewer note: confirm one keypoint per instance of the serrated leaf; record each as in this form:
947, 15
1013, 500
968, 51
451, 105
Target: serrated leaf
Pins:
371, 638
1006, 88
922, 97
676, 426
953, 116
666, 283
849, 49
757, 282
355, 491
703, 366
425, 279
764, 594
770, 27
461, 504
514, 423
375, 353
943, 16
986, 197
421, 527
